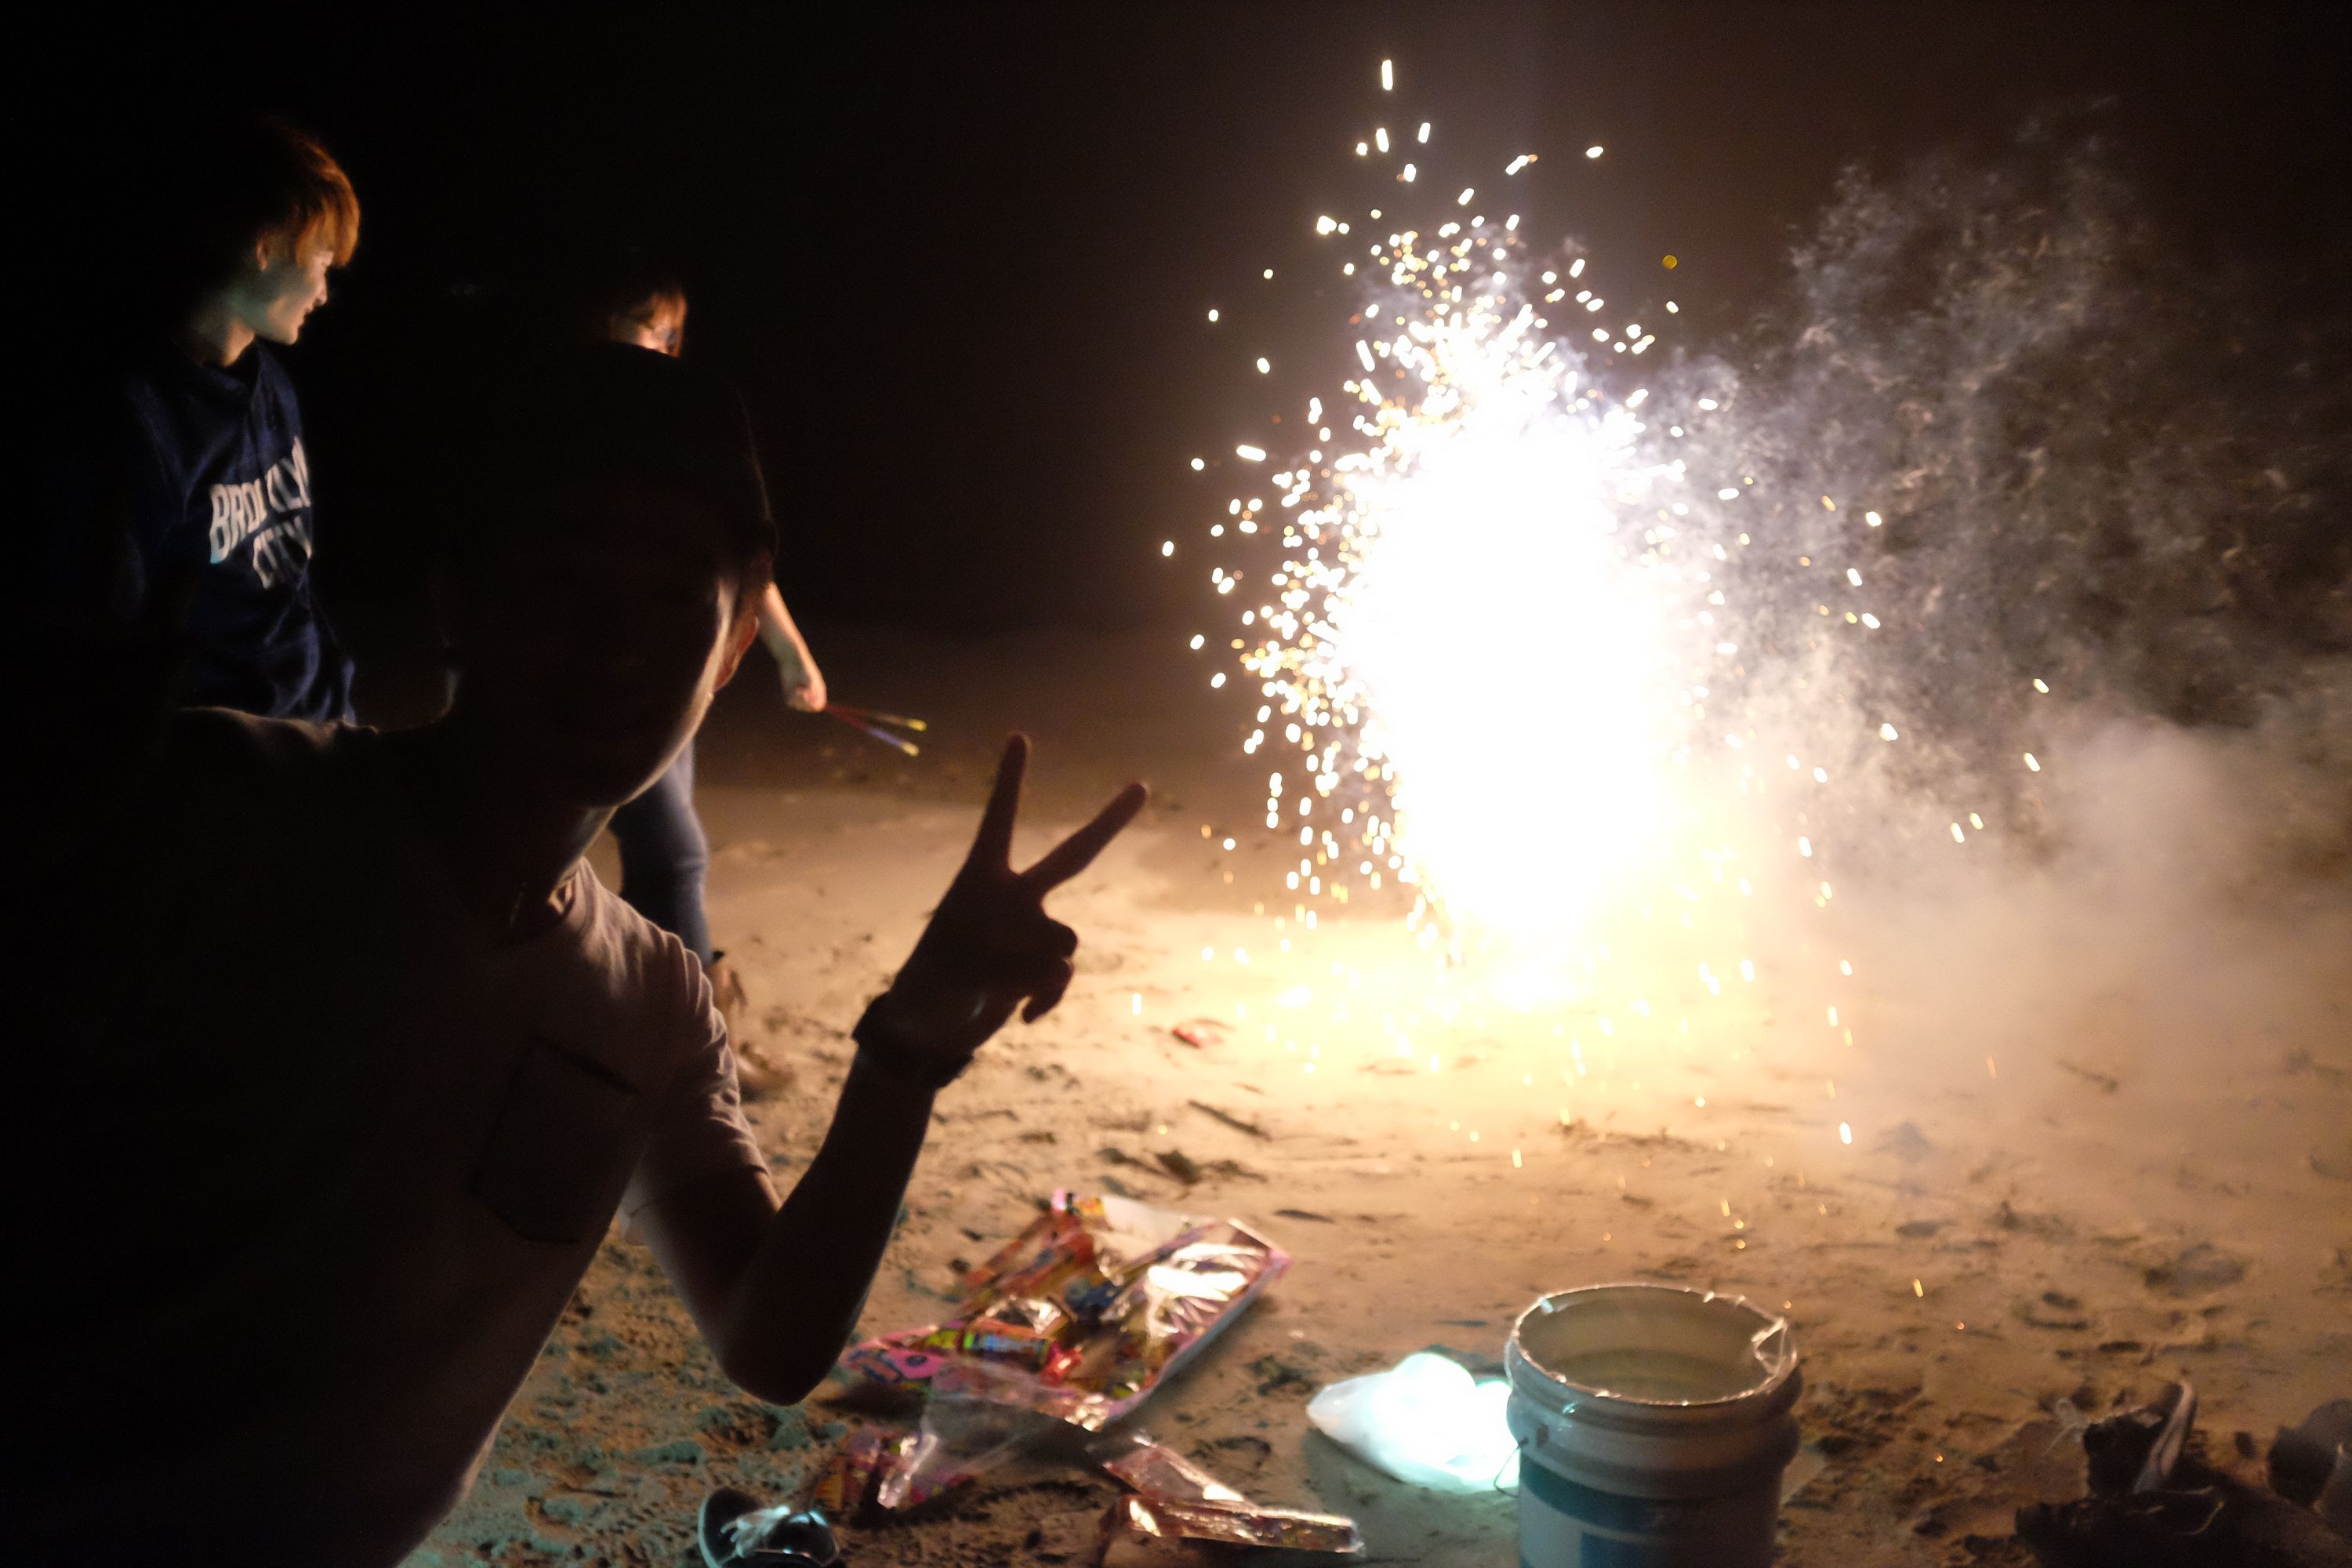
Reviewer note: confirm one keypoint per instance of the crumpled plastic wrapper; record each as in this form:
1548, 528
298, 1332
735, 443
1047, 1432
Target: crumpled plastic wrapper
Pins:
1173, 1500
1083, 1314
1143, 1465
1232, 1524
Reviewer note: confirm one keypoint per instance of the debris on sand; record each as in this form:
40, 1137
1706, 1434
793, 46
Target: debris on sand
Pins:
735, 1531
2154, 1504
1173, 1500
2051, 1309
2195, 1272
2136, 1450
2309, 1464
2105, 1083
2025, 1223
1906, 1142
1179, 1165
1238, 1124
1234, 1527
1200, 1033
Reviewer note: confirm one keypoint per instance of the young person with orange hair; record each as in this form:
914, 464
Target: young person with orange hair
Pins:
193, 479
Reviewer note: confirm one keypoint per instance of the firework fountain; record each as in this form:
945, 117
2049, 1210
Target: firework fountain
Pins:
1493, 614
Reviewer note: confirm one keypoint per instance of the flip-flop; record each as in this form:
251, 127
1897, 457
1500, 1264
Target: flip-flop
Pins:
736, 1531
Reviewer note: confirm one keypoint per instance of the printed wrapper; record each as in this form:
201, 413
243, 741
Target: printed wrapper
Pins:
1084, 1313
886, 1472
1241, 1524
842, 1490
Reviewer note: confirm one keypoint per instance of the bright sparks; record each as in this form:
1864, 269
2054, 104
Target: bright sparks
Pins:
1492, 632
1492, 493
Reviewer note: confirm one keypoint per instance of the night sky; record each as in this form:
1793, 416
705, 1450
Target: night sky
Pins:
960, 261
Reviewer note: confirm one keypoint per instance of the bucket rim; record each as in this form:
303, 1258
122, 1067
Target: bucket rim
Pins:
1515, 1354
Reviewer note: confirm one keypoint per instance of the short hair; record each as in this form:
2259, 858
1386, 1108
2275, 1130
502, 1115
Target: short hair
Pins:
239, 180
531, 419
595, 282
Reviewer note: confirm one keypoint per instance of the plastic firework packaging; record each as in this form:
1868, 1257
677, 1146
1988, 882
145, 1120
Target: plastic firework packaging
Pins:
1234, 1524
1175, 1501
1159, 1472
1084, 1313
843, 1489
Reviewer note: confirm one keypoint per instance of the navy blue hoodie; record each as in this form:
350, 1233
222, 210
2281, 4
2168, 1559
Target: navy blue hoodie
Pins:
209, 483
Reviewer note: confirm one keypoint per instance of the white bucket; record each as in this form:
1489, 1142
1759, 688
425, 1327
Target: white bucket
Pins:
1653, 1423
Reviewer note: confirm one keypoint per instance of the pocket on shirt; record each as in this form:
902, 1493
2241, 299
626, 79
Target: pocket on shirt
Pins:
554, 1167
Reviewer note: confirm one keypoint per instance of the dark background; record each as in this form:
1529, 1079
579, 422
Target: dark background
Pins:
960, 261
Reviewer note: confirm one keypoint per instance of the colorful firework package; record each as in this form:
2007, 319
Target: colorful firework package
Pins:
1084, 1313
1068, 1327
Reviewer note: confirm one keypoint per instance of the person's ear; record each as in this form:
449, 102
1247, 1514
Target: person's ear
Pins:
745, 626
264, 253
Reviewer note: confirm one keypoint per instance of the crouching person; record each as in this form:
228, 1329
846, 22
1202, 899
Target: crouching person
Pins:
335, 1060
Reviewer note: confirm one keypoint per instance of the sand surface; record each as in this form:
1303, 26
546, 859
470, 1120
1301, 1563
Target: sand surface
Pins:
2084, 1218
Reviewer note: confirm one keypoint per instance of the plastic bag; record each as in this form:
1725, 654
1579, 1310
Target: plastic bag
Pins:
958, 1440
1426, 1421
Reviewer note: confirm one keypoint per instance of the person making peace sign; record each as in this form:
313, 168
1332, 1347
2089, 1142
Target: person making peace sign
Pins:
346, 1061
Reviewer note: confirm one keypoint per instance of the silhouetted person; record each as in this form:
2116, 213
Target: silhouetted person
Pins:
620, 294
335, 1061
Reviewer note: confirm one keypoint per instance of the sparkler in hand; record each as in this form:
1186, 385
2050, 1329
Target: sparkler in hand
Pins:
865, 720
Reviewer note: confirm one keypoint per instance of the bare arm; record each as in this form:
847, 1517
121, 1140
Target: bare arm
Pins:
777, 1288
803, 683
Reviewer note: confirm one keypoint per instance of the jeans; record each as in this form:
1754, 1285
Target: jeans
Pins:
665, 858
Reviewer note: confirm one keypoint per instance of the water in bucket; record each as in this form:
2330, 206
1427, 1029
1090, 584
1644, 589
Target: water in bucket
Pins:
1653, 1423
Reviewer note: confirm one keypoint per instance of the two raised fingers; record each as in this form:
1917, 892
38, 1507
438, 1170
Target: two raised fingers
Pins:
1075, 853
992, 847
1040, 962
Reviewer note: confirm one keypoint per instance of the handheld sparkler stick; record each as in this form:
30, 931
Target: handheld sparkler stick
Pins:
872, 716
894, 741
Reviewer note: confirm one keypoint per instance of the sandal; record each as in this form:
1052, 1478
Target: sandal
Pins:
735, 1531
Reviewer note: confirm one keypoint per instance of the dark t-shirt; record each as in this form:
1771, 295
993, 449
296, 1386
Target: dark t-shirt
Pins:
199, 474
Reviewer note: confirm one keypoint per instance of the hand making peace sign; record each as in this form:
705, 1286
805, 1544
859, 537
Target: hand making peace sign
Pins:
991, 947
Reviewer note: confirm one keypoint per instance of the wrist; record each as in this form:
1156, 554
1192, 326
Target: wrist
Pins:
892, 1044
